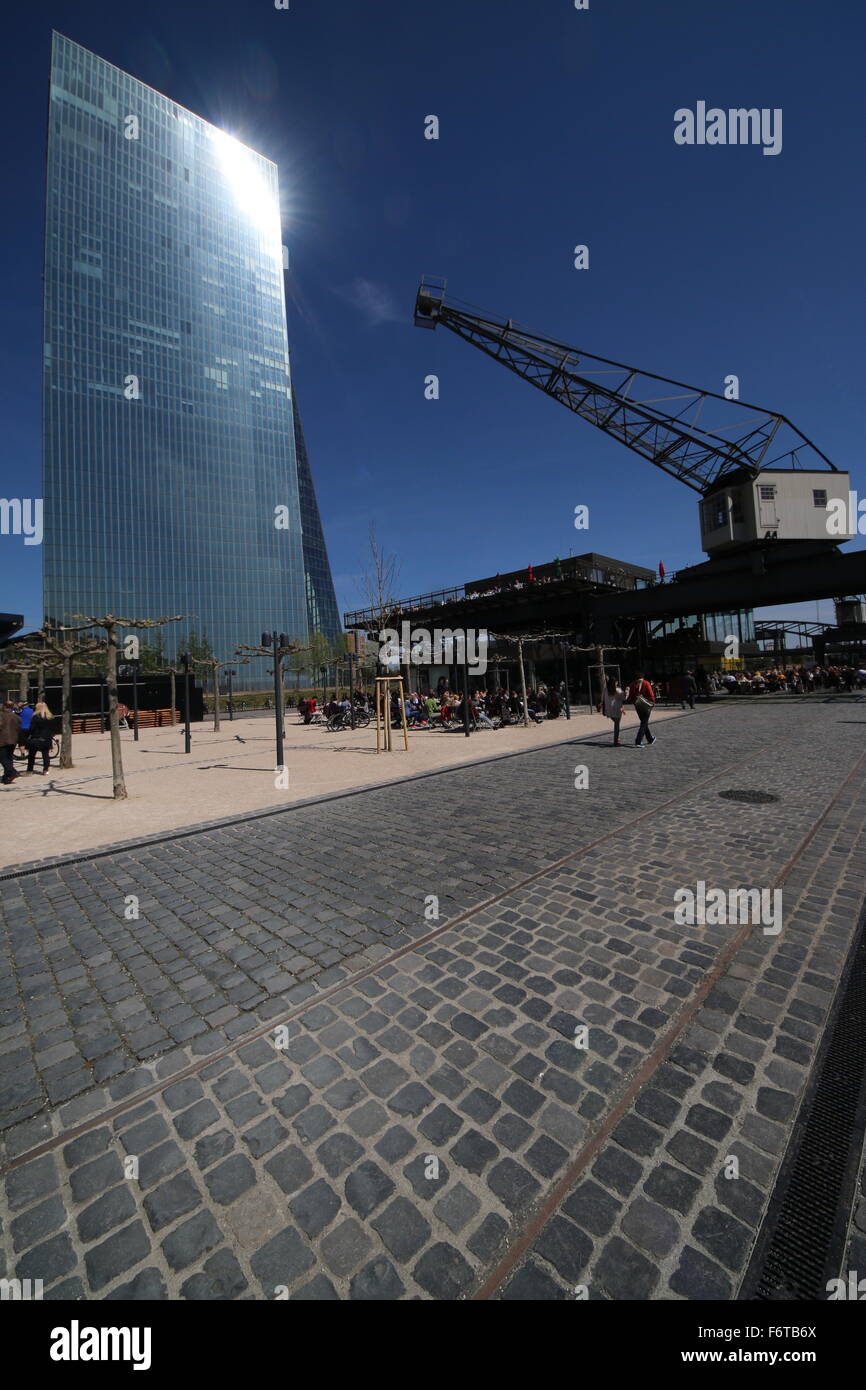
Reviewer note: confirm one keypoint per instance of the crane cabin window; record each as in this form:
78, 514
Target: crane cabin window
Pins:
819, 497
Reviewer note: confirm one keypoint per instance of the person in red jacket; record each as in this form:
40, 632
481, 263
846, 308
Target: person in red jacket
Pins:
642, 696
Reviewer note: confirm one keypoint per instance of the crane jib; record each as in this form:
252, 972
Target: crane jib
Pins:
696, 435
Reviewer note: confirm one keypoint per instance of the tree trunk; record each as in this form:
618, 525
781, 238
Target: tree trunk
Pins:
66, 732
40, 688
111, 673
24, 685
216, 699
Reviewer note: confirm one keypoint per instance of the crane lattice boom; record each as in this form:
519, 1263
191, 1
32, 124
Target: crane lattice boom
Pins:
696, 436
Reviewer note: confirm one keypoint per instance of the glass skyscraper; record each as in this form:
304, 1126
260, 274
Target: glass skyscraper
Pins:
176, 479
322, 615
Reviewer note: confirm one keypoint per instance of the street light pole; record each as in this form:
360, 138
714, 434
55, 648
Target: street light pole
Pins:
276, 641
565, 679
186, 694
278, 699
231, 703
135, 701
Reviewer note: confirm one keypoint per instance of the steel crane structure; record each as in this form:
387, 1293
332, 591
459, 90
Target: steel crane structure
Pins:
699, 437
764, 487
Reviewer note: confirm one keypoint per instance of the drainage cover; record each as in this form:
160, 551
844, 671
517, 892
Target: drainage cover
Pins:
756, 798
801, 1244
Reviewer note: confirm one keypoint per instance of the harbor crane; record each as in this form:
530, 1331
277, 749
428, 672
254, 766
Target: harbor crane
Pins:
759, 477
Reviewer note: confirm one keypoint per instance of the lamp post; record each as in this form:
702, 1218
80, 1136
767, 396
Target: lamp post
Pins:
186, 738
231, 703
276, 641
565, 678
324, 673
134, 665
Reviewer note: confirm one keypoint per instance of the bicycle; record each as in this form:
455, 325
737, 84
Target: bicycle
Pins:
53, 751
343, 720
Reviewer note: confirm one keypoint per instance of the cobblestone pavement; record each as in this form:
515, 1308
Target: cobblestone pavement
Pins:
299, 1085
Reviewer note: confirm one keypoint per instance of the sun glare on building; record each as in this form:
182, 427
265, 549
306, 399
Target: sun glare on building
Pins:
254, 196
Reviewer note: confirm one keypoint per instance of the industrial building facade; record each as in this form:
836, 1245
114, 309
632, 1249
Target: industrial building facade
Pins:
171, 479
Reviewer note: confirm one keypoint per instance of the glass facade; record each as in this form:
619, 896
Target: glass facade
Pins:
322, 615
706, 627
171, 482
720, 627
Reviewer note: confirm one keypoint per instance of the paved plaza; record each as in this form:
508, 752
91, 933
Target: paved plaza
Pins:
439, 1039
230, 772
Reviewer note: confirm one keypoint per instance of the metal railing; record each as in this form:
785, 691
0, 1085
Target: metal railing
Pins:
374, 617
587, 574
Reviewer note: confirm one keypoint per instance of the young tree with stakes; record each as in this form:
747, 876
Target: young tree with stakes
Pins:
378, 584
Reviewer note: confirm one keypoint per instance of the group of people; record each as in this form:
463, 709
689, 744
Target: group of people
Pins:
499, 708
26, 725
795, 680
491, 709
306, 708
572, 568
642, 695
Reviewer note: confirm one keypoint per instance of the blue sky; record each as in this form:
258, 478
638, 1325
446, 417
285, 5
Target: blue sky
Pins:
556, 128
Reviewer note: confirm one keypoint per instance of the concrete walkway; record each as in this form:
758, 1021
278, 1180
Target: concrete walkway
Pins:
231, 772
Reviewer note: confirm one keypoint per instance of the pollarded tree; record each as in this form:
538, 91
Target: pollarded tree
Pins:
287, 649
68, 651
110, 624
215, 666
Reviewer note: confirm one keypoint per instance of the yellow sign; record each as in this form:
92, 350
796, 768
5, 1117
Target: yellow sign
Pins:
733, 663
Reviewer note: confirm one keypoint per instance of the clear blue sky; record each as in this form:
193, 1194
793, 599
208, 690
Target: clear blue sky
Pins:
556, 129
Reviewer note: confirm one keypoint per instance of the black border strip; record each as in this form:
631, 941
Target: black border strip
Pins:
800, 1154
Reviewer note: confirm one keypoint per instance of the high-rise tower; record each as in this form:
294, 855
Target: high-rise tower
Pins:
322, 614
171, 480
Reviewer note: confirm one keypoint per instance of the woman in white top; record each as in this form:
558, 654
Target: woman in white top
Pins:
612, 700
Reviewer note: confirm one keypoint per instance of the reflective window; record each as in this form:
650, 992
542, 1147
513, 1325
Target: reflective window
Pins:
170, 437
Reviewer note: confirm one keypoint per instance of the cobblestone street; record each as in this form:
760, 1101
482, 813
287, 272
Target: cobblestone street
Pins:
338, 1054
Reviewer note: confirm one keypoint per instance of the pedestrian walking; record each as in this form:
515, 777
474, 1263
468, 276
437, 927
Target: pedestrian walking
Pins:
39, 737
642, 696
612, 701
10, 736
688, 690
25, 714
